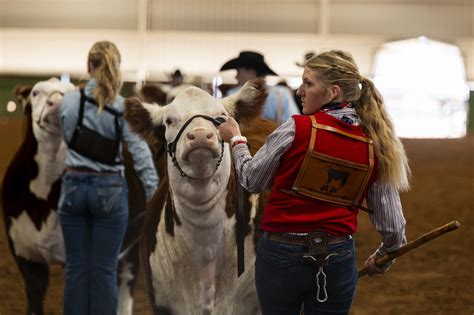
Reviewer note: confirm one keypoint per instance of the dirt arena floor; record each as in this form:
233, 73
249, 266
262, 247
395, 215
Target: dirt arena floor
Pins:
436, 278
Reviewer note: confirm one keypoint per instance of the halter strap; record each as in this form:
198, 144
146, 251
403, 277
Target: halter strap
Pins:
172, 145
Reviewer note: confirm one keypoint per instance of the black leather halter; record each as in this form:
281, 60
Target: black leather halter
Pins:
172, 145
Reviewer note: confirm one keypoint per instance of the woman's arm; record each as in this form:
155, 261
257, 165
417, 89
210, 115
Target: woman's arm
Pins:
142, 161
256, 173
388, 220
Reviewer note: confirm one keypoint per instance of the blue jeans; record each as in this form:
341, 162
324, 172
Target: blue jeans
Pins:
286, 281
93, 212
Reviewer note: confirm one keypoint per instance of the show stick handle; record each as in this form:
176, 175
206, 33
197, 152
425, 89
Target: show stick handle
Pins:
451, 226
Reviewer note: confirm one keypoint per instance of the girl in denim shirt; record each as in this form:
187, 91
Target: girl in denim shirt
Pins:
93, 207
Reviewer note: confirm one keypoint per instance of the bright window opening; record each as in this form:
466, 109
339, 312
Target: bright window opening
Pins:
424, 86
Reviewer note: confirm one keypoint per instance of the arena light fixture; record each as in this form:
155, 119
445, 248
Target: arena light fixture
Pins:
65, 78
216, 82
424, 86
11, 107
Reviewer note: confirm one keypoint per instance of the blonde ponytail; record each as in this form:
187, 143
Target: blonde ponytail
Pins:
104, 58
393, 163
339, 68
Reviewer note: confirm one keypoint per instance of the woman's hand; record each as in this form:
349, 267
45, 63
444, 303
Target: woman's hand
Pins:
372, 269
229, 129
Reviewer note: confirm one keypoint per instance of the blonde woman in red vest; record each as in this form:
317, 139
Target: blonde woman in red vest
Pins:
320, 167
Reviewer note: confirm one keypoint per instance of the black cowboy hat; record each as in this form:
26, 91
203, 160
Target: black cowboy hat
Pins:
249, 59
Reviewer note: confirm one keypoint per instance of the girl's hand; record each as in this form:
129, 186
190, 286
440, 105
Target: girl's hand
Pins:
229, 129
372, 269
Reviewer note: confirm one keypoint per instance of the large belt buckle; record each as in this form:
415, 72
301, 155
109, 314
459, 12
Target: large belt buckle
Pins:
317, 254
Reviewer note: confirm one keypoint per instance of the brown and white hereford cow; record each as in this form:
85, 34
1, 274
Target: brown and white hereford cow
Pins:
188, 245
30, 193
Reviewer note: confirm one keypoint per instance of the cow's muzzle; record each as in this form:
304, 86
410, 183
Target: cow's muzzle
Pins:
171, 148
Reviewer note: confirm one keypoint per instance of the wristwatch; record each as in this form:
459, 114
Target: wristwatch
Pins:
237, 140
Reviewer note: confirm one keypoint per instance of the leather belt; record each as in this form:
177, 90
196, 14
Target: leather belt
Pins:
87, 170
300, 238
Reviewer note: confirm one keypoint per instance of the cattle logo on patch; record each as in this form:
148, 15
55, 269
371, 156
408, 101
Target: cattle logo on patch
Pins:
334, 177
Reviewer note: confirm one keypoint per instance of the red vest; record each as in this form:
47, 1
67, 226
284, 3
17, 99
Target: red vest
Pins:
290, 213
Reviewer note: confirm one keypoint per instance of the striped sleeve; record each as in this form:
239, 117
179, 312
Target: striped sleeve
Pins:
256, 173
387, 218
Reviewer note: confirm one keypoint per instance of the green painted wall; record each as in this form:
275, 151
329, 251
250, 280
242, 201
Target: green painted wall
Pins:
8, 83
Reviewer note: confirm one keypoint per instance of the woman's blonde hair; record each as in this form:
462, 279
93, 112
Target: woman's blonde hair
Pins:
339, 68
104, 60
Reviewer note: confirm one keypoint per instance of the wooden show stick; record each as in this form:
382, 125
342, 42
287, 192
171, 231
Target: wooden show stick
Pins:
451, 226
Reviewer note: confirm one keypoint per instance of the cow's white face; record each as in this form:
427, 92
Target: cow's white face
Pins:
45, 100
198, 148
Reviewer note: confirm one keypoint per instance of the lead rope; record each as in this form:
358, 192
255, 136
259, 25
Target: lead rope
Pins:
318, 293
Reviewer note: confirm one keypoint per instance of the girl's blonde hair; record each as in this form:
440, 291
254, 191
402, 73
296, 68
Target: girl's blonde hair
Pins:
337, 67
104, 59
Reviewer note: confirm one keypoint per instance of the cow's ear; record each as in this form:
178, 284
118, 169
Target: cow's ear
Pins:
247, 104
143, 117
21, 93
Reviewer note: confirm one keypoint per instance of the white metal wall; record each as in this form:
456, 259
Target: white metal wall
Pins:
156, 36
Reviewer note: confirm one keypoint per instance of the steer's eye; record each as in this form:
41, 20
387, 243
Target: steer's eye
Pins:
34, 93
171, 120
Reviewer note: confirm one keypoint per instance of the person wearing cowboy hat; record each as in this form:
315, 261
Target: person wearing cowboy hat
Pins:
279, 105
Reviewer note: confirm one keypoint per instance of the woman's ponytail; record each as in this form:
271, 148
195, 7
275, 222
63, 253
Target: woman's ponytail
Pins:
393, 163
105, 60
337, 67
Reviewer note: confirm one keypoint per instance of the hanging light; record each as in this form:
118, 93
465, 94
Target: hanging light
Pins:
11, 107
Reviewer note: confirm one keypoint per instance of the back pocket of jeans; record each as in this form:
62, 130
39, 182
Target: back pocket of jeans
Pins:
65, 198
108, 198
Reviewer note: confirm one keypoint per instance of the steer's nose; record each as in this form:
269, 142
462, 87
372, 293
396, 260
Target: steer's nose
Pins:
200, 137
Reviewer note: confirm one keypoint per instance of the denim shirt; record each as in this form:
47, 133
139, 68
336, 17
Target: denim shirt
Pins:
104, 124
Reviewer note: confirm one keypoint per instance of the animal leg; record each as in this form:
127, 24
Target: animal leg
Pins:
127, 275
36, 278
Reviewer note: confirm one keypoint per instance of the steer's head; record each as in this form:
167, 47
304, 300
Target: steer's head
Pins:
45, 98
194, 141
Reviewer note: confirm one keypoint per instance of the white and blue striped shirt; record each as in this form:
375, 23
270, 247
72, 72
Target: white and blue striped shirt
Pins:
256, 174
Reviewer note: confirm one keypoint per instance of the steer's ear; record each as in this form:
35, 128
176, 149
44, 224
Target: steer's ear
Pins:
247, 104
22, 96
143, 118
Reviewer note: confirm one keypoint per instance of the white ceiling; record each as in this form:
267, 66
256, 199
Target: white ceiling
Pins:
441, 19
159, 35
